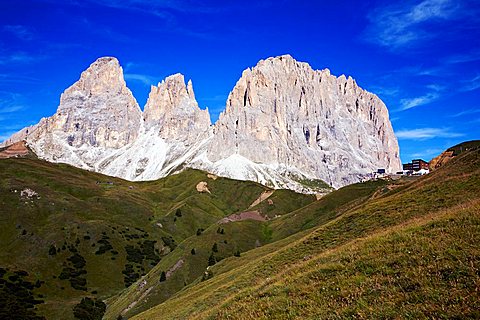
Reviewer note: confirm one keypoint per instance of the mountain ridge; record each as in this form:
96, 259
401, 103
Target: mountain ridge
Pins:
284, 124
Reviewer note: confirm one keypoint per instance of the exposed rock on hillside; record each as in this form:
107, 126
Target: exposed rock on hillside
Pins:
452, 152
17, 149
202, 186
441, 160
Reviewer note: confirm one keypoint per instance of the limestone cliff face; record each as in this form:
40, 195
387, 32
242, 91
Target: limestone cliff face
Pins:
284, 112
285, 125
97, 113
172, 109
174, 128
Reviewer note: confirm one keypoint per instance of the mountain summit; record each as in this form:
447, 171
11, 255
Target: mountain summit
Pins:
297, 122
285, 125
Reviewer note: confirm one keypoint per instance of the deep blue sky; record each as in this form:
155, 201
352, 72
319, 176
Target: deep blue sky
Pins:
422, 58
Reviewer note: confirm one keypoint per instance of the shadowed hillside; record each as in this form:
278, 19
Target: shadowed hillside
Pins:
81, 234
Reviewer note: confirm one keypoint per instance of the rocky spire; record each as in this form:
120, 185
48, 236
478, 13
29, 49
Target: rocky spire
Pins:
172, 109
97, 112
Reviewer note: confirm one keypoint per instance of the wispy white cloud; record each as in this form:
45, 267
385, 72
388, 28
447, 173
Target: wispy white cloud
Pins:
465, 113
21, 32
428, 153
170, 12
434, 94
161, 7
426, 133
20, 57
436, 87
142, 5
129, 66
143, 78
418, 101
384, 91
104, 31
471, 85
15, 78
10, 104
465, 57
11, 109
422, 71
400, 25
9, 96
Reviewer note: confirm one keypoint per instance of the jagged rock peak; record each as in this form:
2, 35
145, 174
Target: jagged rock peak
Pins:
172, 108
285, 59
285, 125
267, 74
169, 94
97, 113
283, 112
105, 75
288, 63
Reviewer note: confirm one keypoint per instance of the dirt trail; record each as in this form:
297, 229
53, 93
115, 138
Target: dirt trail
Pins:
142, 285
176, 266
263, 196
134, 303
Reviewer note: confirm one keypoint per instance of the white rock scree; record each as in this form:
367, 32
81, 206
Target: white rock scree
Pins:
285, 125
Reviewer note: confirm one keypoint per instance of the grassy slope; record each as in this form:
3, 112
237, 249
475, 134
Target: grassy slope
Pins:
240, 236
464, 146
290, 214
77, 208
411, 252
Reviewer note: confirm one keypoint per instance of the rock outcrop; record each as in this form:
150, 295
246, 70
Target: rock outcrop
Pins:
285, 125
452, 152
298, 121
202, 186
172, 109
96, 114
174, 128
15, 150
441, 160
